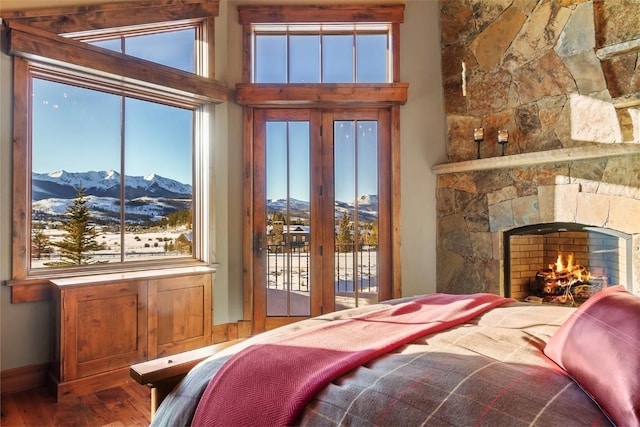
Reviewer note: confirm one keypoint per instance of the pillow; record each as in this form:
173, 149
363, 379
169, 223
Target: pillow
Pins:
599, 347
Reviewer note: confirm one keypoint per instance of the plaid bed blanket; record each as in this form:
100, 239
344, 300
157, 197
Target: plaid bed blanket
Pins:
296, 367
487, 371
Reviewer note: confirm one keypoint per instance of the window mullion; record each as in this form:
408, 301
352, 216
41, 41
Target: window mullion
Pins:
122, 176
288, 57
321, 55
354, 56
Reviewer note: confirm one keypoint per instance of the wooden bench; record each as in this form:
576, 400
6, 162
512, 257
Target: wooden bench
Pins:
163, 374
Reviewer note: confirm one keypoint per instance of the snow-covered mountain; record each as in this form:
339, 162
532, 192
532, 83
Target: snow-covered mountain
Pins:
62, 184
367, 207
148, 198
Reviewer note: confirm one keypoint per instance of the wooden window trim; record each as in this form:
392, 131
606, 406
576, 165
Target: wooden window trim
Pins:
53, 50
62, 20
255, 14
321, 94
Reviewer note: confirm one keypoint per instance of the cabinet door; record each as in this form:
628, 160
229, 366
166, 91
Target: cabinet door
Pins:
179, 314
104, 328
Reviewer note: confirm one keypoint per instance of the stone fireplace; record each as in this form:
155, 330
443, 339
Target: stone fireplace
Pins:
564, 79
485, 213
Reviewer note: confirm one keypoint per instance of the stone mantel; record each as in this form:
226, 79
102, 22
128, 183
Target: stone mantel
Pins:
539, 157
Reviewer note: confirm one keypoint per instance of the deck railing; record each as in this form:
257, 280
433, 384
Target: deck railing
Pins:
290, 269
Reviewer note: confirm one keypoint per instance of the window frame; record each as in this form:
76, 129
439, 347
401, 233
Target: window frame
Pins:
321, 30
321, 94
45, 53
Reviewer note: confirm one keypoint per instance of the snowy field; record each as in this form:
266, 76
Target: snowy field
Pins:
140, 246
291, 271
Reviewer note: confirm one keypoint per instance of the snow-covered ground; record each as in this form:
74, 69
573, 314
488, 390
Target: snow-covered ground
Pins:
291, 271
285, 271
139, 246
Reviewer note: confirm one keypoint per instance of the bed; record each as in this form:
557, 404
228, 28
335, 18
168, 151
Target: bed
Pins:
502, 362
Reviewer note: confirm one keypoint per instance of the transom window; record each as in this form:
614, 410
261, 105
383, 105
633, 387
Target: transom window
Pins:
174, 47
336, 53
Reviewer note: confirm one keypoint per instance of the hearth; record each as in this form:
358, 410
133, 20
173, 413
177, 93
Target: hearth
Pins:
564, 263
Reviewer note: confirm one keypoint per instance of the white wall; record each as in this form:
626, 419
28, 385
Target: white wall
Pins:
25, 327
422, 135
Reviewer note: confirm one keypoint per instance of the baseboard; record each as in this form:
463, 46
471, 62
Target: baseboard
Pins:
231, 331
91, 384
23, 378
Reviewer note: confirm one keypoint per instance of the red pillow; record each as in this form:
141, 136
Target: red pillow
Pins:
599, 347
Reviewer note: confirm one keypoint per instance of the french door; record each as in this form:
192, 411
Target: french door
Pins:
320, 212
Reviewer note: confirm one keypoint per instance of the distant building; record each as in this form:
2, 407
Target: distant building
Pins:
295, 237
184, 242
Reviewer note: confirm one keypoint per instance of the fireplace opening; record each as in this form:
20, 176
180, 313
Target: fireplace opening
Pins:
564, 263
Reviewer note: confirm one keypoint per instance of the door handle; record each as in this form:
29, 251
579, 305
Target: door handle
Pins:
258, 243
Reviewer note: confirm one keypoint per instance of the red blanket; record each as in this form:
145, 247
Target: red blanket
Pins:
270, 383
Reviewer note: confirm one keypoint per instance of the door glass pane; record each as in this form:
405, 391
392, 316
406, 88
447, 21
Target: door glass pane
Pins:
271, 59
337, 58
288, 219
371, 58
305, 59
158, 181
356, 213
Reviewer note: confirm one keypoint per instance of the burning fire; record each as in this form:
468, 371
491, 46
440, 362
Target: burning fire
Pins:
565, 282
570, 272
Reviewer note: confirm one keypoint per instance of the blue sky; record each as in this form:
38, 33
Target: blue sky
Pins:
78, 130
304, 53
347, 144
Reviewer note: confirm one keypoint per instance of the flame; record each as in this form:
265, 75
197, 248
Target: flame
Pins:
579, 272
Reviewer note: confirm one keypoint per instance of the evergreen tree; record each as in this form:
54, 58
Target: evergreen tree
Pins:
372, 238
81, 234
344, 240
279, 216
178, 218
39, 244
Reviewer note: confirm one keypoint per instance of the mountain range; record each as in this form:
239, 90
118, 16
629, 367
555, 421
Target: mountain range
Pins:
149, 197
62, 184
367, 207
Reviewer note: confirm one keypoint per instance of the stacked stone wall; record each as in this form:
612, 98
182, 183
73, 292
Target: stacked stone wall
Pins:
531, 67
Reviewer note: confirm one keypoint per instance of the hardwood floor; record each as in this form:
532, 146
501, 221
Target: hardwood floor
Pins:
127, 405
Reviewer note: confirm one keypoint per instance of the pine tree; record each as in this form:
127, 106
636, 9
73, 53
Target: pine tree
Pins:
279, 216
372, 239
39, 244
81, 234
344, 240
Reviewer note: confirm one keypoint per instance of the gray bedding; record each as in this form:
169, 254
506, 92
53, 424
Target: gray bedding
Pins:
489, 371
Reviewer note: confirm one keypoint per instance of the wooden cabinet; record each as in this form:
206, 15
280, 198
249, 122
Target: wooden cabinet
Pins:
103, 324
179, 314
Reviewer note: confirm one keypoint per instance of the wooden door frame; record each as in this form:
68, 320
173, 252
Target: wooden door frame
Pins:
391, 175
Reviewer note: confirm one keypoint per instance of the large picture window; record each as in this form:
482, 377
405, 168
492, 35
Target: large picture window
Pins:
111, 129
132, 161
